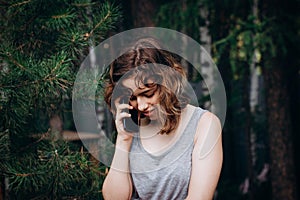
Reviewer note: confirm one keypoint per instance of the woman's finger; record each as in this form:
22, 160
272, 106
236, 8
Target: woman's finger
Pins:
123, 106
122, 115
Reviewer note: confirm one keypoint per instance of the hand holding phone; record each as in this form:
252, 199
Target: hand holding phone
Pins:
131, 124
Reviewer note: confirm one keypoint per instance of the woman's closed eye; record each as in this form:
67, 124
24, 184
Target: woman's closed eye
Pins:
146, 94
149, 94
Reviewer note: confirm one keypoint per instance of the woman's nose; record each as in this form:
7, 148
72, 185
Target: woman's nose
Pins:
142, 103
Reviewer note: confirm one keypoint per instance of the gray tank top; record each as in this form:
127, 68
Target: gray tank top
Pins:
165, 176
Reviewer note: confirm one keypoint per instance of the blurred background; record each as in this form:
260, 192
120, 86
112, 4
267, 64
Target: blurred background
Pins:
255, 45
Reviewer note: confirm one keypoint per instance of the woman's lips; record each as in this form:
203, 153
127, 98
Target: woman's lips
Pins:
148, 113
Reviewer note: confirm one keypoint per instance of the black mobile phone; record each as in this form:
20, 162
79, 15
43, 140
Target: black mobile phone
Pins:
131, 124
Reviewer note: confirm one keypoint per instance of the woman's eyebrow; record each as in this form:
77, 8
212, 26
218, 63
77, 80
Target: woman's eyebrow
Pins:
146, 90
140, 91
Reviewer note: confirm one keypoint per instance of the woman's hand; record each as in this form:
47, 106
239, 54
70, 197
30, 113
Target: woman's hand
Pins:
123, 135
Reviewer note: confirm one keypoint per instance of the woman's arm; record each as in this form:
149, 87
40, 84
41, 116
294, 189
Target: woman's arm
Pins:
207, 158
117, 184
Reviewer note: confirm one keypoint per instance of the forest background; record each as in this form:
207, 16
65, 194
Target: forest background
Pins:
255, 45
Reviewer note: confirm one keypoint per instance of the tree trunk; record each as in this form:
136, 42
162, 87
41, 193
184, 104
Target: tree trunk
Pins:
143, 13
280, 141
1, 188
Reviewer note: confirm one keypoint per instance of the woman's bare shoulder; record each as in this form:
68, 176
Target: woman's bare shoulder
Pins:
208, 125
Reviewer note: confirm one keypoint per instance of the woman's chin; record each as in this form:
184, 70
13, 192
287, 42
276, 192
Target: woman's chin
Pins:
146, 120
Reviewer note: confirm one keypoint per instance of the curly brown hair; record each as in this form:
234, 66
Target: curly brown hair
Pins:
147, 60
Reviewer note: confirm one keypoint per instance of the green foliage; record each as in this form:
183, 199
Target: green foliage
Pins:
186, 19
243, 41
42, 44
250, 39
67, 173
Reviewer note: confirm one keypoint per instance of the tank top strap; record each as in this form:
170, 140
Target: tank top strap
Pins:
187, 137
191, 127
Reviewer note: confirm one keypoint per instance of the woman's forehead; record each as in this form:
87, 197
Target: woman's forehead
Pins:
136, 86
129, 83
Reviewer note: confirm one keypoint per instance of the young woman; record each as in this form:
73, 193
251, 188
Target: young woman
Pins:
167, 157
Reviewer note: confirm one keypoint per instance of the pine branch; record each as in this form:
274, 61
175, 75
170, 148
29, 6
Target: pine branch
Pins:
46, 42
50, 77
87, 4
20, 3
16, 63
100, 23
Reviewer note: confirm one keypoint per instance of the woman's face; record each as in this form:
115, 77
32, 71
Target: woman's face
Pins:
144, 99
